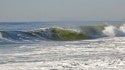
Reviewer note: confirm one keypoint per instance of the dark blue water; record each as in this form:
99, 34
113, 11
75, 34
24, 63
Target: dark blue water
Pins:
14, 26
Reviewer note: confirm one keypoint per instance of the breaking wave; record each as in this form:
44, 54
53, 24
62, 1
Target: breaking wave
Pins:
114, 31
63, 34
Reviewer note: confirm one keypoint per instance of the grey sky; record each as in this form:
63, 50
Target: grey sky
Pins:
57, 10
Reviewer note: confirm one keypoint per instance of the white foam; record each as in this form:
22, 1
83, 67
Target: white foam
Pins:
98, 54
113, 31
1, 37
110, 31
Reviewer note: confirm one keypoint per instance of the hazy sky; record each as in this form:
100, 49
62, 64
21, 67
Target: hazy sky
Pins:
59, 10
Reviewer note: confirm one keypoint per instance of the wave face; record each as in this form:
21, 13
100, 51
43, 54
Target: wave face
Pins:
93, 31
49, 33
62, 34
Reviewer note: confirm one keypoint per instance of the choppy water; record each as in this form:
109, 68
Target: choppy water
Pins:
106, 52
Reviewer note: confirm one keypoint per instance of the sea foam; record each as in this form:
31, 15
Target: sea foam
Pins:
113, 31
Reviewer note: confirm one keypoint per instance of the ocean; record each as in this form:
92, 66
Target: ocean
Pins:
84, 45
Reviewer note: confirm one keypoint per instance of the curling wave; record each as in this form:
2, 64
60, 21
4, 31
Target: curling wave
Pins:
49, 33
62, 34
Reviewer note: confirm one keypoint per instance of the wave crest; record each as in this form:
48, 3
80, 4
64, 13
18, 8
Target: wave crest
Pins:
113, 31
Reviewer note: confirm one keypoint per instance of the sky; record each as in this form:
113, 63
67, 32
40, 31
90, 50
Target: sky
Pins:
61, 10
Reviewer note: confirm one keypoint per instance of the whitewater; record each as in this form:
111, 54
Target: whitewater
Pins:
44, 46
